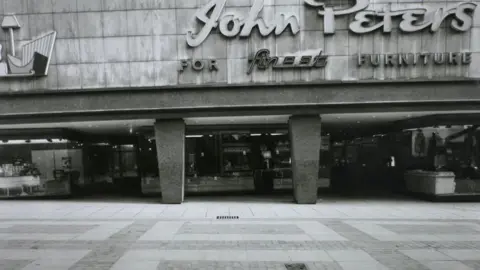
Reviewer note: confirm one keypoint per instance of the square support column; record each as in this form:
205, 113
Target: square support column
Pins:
305, 137
170, 140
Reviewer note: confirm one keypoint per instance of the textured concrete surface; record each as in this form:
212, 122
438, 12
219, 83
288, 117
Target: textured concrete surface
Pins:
170, 140
127, 43
305, 132
333, 234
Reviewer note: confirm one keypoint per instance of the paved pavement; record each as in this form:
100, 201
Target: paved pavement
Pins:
270, 233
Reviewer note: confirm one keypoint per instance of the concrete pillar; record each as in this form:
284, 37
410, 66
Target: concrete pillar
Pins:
170, 140
305, 138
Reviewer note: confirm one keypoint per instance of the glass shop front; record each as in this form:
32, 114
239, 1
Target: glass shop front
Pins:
231, 161
441, 161
49, 165
40, 167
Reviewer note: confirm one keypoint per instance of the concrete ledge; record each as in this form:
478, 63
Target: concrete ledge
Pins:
236, 86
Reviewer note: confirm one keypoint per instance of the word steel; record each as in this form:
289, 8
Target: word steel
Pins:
412, 20
231, 24
412, 59
198, 65
263, 61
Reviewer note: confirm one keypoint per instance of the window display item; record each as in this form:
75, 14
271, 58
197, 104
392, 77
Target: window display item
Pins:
419, 144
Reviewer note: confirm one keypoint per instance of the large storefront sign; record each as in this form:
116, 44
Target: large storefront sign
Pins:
412, 19
263, 61
232, 24
412, 59
35, 55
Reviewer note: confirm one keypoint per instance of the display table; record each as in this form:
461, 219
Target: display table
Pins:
219, 184
18, 183
430, 182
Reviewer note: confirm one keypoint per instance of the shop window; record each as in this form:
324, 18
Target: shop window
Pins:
228, 154
236, 153
101, 163
148, 166
37, 167
108, 162
202, 155
125, 161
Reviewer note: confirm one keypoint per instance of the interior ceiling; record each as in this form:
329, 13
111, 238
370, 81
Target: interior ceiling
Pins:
123, 127
120, 127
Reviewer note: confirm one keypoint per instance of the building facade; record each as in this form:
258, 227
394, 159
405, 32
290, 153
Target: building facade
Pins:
176, 64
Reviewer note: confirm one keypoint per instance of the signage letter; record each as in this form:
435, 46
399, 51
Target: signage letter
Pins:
330, 13
360, 59
253, 20
389, 60
210, 23
463, 21
412, 20
182, 65
197, 65
375, 60
212, 65
363, 18
439, 58
230, 25
305, 60
467, 58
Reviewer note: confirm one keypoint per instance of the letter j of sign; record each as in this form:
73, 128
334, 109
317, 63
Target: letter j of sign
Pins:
329, 13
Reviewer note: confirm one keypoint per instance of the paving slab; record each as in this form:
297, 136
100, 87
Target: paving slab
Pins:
268, 234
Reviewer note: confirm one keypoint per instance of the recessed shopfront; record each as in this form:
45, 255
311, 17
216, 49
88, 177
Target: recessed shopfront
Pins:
177, 97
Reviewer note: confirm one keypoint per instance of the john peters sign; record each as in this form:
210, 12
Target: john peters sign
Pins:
234, 24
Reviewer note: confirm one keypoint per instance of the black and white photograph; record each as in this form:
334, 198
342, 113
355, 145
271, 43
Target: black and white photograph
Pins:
239, 134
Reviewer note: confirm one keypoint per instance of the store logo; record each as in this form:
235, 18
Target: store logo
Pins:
232, 24
304, 60
412, 20
35, 55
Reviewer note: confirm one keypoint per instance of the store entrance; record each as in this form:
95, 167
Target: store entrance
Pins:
111, 170
366, 167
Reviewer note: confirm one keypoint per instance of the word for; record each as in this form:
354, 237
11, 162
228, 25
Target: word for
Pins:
231, 24
412, 19
262, 60
198, 65
412, 59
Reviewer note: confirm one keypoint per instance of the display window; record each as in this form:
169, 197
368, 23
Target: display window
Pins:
39, 167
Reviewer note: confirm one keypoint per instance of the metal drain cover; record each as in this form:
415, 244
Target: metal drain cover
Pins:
227, 217
296, 266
